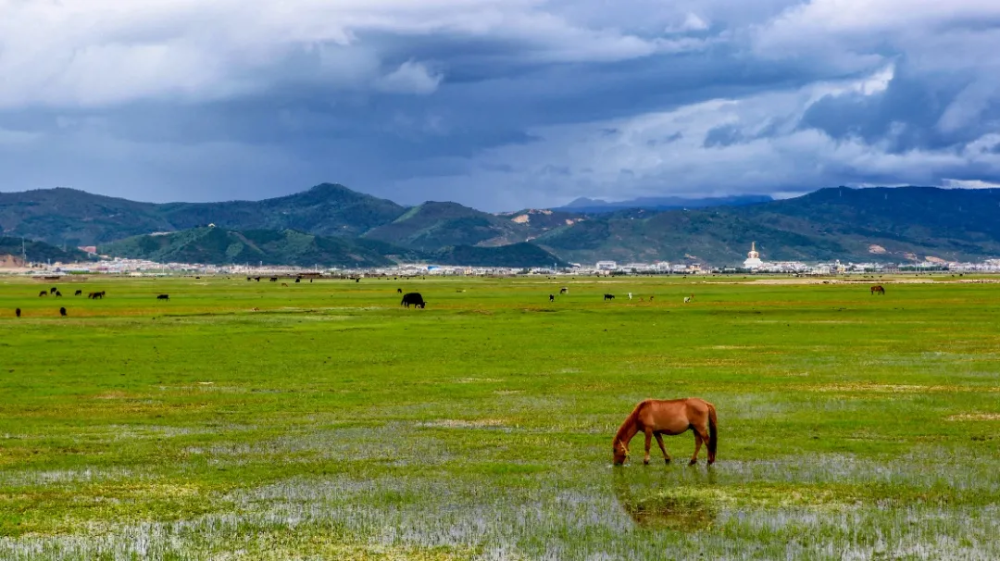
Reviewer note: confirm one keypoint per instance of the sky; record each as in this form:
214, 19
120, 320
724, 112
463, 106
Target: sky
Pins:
497, 104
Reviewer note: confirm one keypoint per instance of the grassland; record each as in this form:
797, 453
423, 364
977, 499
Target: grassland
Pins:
331, 423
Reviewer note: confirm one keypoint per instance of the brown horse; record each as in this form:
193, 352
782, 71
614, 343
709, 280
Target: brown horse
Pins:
656, 417
877, 289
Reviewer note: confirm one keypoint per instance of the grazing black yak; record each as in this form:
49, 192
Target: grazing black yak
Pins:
163, 297
62, 312
609, 297
78, 293
413, 298
399, 291
552, 298
17, 312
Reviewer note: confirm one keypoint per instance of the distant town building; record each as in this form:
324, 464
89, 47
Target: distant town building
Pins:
607, 266
753, 258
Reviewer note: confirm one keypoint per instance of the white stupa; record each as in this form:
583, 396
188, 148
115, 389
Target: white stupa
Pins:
753, 258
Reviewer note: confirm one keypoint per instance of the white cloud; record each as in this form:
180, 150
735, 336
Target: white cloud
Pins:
970, 184
410, 77
970, 104
105, 52
666, 152
692, 22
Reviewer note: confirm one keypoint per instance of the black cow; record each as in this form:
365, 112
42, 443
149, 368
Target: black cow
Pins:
58, 294
62, 312
609, 297
249, 279
43, 293
552, 298
78, 293
564, 290
357, 280
17, 312
274, 279
413, 298
256, 279
399, 291
298, 280
53, 290
163, 297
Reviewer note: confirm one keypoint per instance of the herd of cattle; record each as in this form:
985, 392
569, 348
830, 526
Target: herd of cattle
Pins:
54, 291
414, 299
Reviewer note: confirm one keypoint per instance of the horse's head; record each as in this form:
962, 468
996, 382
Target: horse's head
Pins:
620, 453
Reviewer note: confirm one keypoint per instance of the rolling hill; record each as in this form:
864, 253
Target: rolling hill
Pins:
67, 216
219, 246
584, 205
39, 252
434, 225
514, 255
873, 224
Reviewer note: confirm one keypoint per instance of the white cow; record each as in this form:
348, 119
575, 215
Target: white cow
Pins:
688, 298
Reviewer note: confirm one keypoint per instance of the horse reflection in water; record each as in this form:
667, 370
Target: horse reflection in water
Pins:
665, 508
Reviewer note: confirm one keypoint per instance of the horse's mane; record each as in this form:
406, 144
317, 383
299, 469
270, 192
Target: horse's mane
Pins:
627, 423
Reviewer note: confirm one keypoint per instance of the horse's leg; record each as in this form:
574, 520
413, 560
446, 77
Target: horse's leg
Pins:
659, 440
697, 448
700, 435
649, 438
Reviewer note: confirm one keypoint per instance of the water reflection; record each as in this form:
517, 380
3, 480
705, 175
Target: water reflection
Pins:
658, 502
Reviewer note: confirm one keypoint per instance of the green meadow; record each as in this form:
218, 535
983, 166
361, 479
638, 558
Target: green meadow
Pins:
323, 421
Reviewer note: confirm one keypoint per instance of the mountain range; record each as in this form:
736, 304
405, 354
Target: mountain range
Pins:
290, 247
333, 225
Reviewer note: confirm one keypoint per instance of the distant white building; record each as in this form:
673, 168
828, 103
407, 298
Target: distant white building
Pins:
607, 266
753, 258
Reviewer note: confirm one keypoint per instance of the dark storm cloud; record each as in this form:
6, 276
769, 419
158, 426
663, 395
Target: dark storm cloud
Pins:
498, 104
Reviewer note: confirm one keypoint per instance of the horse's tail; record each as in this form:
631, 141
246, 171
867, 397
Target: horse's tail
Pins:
713, 431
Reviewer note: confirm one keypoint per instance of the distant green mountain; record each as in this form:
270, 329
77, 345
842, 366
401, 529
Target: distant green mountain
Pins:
875, 224
220, 246
434, 225
67, 216
514, 255
39, 252
597, 206
327, 209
